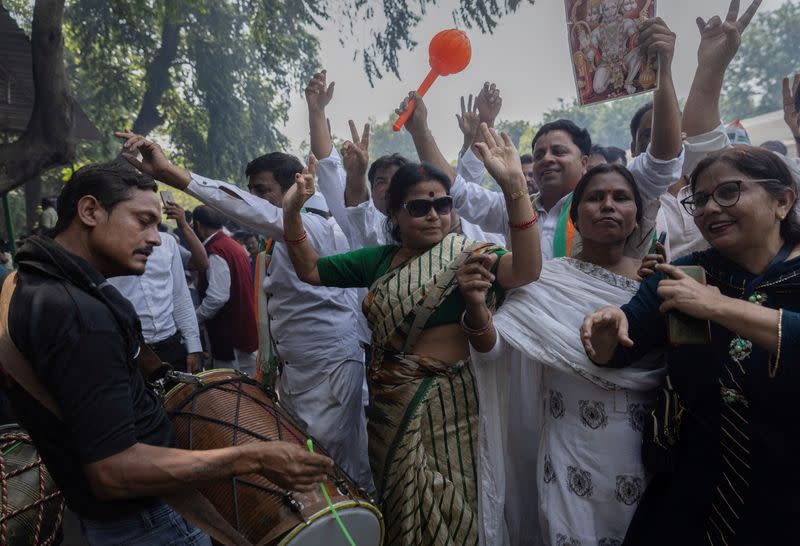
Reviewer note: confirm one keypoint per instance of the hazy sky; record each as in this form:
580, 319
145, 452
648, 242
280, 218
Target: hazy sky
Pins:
527, 56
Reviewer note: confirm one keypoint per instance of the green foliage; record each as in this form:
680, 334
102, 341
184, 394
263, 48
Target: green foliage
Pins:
515, 130
770, 50
383, 141
608, 123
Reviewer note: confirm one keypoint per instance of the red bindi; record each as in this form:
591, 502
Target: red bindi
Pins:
430, 194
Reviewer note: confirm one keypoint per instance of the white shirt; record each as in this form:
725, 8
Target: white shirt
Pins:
331, 179
313, 328
218, 292
161, 297
488, 209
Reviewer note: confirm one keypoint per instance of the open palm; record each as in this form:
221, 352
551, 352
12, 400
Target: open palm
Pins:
500, 157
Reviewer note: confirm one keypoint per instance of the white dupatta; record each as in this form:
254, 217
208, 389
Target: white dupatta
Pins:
539, 326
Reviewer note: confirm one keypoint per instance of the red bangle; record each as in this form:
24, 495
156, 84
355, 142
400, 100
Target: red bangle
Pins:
295, 242
524, 225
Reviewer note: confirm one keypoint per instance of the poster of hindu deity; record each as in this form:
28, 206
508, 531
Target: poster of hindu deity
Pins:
603, 39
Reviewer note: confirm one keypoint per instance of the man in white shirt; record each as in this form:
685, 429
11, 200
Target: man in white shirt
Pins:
162, 301
322, 376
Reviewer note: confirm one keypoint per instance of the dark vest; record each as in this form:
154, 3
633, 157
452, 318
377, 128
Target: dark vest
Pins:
234, 325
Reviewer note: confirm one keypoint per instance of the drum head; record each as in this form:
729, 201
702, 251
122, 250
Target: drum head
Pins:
362, 522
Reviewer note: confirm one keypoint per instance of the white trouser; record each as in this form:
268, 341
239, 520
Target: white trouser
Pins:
332, 412
242, 361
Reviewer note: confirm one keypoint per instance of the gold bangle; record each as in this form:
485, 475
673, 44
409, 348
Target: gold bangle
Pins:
773, 367
519, 193
476, 332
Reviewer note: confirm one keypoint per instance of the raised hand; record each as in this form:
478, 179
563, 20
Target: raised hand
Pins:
418, 122
489, 103
601, 333
175, 212
153, 162
501, 159
656, 38
318, 92
469, 121
296, 196
719, 41
355, 153
475, 278
790, 113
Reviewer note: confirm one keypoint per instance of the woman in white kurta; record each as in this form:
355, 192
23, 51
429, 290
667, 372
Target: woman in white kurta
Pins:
555, 429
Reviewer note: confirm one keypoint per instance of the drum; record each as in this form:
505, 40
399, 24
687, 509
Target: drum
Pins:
31, 506
225, 408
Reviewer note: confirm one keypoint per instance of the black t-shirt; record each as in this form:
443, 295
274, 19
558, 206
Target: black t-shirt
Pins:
81, 354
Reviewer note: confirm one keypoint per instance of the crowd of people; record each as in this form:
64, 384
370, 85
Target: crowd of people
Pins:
602, 352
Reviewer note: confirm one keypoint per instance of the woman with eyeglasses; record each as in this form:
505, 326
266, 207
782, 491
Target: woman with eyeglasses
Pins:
727, 447
423, 418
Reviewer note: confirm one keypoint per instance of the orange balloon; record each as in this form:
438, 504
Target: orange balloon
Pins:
450, 52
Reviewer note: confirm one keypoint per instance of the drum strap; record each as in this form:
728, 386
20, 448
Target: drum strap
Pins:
13, 363
188, 502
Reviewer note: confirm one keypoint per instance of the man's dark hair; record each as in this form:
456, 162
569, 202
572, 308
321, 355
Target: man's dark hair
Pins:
110, 183
243, 235
615, 155
636, 120
580, 137
384, 162
598, 150
526, 159
282, 166
775, 146
208, 217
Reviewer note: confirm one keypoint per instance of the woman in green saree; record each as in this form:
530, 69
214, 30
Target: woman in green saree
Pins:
423, 410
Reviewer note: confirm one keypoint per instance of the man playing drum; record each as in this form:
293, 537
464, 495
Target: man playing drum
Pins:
76, 387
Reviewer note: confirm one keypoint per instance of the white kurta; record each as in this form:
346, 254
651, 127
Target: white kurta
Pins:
578, 457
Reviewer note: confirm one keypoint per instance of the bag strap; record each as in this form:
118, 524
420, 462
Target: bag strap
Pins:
13, 363
16, 366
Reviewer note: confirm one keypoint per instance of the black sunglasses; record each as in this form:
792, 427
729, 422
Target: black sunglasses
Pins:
417, 208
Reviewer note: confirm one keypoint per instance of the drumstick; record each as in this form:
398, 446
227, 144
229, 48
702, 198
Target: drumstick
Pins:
310, 445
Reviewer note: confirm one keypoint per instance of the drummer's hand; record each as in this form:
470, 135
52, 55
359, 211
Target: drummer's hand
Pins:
292, 467
193, 362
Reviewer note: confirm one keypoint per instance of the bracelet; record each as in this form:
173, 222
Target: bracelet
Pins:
519, 193
524, 225
773, 367
472, 331
295, 242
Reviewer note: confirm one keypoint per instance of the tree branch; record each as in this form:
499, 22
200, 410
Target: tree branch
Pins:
48, 140
157, 76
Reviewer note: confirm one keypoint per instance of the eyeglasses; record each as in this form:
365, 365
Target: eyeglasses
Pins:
417, 208
725, 195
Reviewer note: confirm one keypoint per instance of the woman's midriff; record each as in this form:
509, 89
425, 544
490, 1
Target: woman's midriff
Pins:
446, 343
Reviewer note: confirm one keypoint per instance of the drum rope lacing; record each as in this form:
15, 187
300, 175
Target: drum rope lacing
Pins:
234, 386
14, 441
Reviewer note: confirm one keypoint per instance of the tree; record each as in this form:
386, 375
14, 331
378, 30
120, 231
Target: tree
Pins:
47, 140
515, 129
215, 77
770, 50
